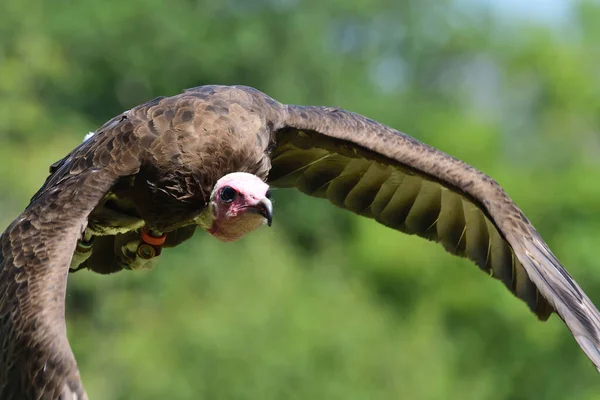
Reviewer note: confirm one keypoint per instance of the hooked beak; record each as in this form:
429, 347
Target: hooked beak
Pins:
265, 208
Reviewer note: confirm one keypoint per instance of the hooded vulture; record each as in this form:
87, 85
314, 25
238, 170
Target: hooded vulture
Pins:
207, 157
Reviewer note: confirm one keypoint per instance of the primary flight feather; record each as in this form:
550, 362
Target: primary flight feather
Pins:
206, 158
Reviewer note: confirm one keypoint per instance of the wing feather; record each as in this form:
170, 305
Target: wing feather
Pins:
402, 183
35, 252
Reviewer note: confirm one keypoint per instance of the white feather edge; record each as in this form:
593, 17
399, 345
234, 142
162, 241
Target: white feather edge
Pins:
88, 135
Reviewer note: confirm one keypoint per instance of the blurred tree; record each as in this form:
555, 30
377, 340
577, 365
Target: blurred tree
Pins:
323, 305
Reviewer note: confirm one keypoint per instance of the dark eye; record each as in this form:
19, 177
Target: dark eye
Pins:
268, 194
228, 194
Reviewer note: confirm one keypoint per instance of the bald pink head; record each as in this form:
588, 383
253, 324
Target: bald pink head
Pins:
239, 204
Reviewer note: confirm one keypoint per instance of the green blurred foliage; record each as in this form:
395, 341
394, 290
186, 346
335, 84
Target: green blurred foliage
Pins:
324, 305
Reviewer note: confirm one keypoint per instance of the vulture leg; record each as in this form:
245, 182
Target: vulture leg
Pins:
109, 254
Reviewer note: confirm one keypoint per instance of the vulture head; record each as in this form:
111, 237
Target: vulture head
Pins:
239, 204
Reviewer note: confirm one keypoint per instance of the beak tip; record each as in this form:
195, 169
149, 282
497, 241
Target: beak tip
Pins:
266, 210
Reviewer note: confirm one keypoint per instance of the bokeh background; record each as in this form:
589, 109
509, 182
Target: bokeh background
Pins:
324, 305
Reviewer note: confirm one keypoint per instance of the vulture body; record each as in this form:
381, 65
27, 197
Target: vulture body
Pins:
152, 172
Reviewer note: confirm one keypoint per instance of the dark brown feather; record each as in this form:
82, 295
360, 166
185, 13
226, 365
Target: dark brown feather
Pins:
156, 164
36, 251
381, 173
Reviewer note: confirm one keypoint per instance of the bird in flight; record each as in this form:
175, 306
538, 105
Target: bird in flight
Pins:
207, 157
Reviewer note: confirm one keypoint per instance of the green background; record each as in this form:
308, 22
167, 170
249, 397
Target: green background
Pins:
324, 305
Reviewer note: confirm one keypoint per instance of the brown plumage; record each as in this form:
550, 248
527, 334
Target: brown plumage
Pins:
156, 166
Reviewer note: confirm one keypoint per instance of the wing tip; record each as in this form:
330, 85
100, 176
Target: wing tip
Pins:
590, 348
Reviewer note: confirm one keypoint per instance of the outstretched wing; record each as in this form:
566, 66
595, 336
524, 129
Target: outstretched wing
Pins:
375, 171
36, 360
